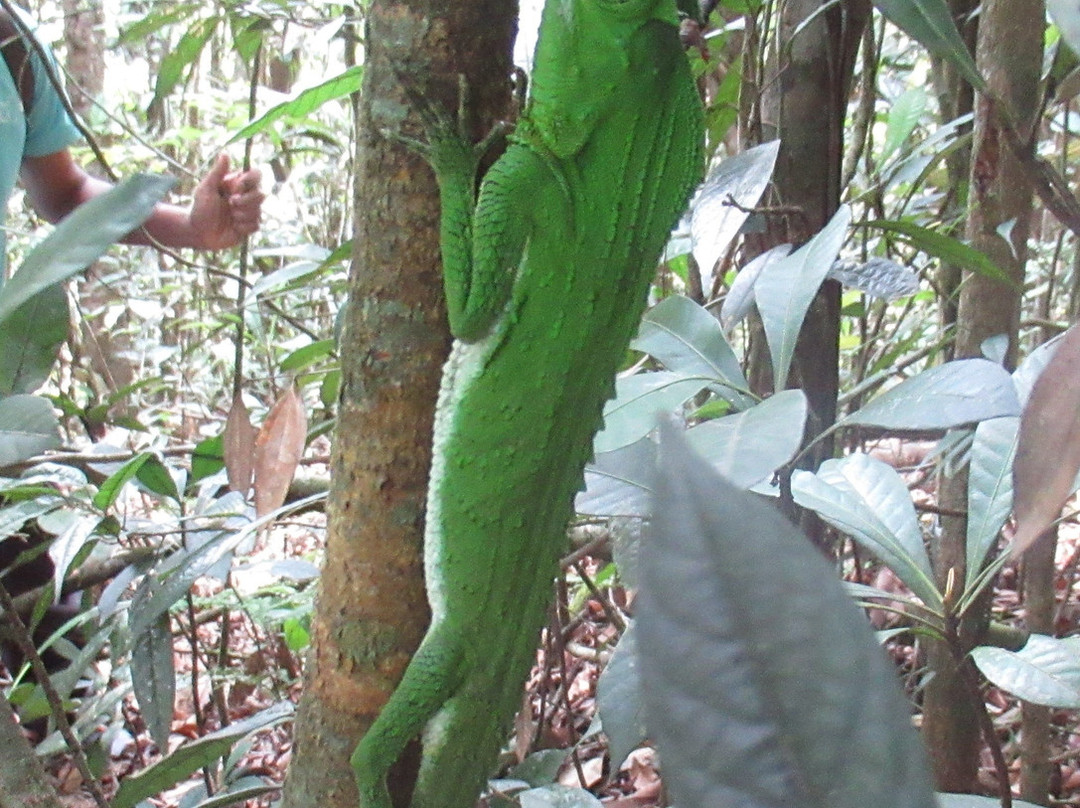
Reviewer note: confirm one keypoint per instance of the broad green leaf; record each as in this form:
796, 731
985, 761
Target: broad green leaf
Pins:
867, 500
238, 796
189, 757
1045, 671
930, 23
308, 355
187, 51
946, 248
748, 447
904, 115
638, 400
989, 488
153, 678
111, 487
82, 237
28, 427
785, 289
306, 101
1048, 446
619, 703
208, 457
714, 219
153, 21
740, 297
764, 685
157, 478
686, 339
30, 340
14, 517
66, 547
618, 483
954, 394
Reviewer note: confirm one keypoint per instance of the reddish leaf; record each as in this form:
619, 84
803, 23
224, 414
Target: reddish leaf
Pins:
239, 446
1048, 446
278, 449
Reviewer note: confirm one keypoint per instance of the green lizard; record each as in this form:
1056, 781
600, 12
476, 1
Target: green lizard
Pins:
546, 273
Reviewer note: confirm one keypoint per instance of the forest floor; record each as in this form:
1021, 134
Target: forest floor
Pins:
255, 668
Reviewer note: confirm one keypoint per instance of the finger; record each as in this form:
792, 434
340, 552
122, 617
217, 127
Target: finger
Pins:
215, 178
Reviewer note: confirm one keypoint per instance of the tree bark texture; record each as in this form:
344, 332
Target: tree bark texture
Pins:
23, 783
805, 104
1009, 54
372, 610
84, 40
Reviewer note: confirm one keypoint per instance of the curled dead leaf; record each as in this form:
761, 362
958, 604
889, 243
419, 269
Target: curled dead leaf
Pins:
239, 446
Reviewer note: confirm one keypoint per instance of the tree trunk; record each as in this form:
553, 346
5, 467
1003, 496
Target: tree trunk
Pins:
84, 40
372, 610
1009, 54
805, 104
23, 783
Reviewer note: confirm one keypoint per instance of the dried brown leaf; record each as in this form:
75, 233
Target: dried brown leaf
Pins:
1048, 446
239, 445
278, 449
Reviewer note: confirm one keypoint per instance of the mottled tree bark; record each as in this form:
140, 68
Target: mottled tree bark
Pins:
1009, 54
372, 611
23, 783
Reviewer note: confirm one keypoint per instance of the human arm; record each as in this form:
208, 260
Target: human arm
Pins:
225, 207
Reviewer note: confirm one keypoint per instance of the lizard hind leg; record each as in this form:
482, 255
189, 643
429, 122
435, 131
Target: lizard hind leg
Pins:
434, 674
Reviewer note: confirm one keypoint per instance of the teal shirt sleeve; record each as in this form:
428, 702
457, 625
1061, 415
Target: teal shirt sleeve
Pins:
48, 127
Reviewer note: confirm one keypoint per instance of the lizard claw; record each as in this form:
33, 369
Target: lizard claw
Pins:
445, 143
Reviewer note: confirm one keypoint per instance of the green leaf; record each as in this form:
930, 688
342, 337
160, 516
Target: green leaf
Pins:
866, 499
785, 289
1045, 671
638, 400
903, 117
306, 101
153, 678
989, 488
749, 446
28, 427
175, 767
156, 477
308, 355
110, 489
618, 483
186, 52
619, 702
81, 238
930, 23
30, 340
763, 682
207, 458
943, 247
1066, 16
965, 391
686, 339
714, 220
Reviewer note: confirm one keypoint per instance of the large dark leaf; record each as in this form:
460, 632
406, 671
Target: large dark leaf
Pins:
82, 237
954, 394
154, 679
764, 685
28, 426
30, 339
930, 23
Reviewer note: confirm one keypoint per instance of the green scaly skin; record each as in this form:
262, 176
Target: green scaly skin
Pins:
546, 276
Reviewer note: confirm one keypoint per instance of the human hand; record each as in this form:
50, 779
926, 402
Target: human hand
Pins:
226, 206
